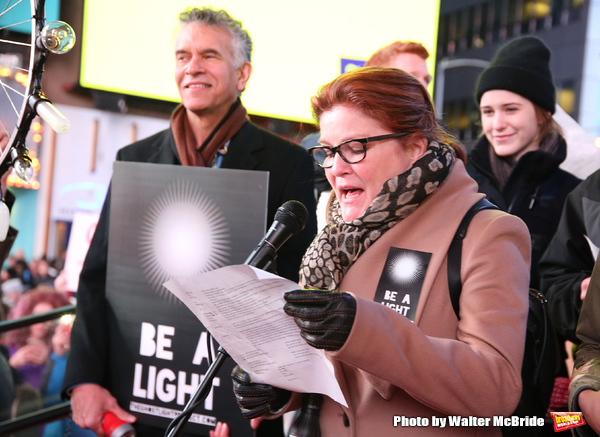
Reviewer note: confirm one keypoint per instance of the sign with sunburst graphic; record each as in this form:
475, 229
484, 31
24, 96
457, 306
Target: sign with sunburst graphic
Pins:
183, 233
402, 279
173, 222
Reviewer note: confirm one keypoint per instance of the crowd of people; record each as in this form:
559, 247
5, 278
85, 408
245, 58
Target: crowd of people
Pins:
19, 275
394, 184
36, 354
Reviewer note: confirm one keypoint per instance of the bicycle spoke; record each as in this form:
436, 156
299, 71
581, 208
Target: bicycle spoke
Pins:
4, 129
16, 43
6, 8
4, 87
14, 67
13, 25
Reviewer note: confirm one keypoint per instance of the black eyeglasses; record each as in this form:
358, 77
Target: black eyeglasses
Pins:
351, 151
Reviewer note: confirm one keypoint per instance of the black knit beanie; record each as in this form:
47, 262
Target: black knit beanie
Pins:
521, 66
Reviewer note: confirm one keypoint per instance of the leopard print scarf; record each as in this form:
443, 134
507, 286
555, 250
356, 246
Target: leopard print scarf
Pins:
340, 244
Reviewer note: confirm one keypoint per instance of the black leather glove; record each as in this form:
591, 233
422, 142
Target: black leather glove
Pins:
325, 317
256, 400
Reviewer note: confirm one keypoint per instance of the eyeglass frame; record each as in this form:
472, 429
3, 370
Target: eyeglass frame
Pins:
363, 141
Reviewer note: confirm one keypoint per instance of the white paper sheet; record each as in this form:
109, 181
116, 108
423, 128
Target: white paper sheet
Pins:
242, 307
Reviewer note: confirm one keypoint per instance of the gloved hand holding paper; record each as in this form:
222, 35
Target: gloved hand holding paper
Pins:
242, 308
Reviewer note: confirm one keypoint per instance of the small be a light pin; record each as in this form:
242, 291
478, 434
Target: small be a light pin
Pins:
564, 421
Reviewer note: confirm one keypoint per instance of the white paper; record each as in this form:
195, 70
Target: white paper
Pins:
583, 157
242, 308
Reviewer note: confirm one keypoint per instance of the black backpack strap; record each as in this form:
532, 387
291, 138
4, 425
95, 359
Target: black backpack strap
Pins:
455, 252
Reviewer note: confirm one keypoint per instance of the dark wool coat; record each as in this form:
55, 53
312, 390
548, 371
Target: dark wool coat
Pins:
252, 148
586, 374
535, 191
569, 258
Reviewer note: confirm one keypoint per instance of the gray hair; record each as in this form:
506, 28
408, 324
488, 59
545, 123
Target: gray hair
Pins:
242, 43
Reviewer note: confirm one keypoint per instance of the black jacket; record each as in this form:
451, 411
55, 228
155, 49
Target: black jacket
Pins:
569, 258
535, 192
252, 148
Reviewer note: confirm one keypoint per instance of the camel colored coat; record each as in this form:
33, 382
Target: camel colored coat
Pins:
437, 366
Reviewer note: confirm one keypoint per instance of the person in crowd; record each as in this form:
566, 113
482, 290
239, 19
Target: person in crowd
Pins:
30, 347
23, 272
567, 264
12, 287
410, 56
221, 430
27, 401
51, 385
43, 273
516, 160
209, 128
584, 393
400, 190
7, 382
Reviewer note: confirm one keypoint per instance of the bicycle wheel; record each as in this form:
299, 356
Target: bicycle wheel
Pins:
18, 58
22, 57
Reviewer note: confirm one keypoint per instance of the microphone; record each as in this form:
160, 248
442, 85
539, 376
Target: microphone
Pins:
290, 219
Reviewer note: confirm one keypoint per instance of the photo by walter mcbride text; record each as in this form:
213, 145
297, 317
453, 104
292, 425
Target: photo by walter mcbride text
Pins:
471, 421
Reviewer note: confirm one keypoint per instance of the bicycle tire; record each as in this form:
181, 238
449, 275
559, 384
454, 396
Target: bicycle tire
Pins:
22, 107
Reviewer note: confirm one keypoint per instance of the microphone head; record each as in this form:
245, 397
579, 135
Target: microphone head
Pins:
293, 215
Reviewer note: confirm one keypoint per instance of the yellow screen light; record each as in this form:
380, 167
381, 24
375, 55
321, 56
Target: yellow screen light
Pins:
298, 47
597, 141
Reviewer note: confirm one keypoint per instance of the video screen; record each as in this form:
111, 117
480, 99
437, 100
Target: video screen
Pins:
127, 46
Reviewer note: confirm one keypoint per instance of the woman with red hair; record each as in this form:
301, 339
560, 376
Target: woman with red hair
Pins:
374, 282
30, 347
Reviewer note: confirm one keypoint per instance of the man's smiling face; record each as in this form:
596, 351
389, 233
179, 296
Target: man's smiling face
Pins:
206, 77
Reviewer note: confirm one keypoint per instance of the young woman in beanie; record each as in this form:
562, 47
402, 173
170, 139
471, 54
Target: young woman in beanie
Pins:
516, 160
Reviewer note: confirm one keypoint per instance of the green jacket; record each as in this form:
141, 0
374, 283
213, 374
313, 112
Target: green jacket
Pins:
587, 361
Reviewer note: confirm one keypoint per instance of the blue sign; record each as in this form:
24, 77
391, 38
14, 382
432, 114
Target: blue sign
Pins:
350, 64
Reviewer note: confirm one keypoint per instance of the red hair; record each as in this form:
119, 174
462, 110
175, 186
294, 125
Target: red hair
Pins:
24, 307
385, 54
393, 97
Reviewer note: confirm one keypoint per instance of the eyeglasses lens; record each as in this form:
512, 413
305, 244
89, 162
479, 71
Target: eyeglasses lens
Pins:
351, 152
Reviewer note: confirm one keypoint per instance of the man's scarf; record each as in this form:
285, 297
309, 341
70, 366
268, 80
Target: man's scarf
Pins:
202, 155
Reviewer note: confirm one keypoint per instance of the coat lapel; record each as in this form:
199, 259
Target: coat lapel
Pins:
430, 229
243, 148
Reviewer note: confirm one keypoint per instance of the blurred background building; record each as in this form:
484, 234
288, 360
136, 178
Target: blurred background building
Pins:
475, 29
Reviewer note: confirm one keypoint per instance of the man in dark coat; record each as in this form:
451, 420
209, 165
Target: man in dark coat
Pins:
210, 128
567, 264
